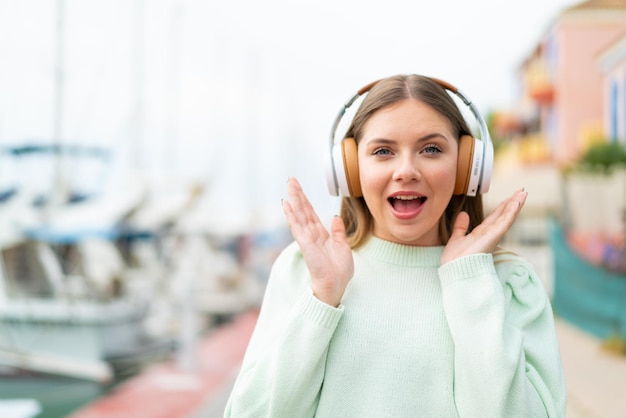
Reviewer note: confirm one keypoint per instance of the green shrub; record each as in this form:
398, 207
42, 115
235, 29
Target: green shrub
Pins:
602, 157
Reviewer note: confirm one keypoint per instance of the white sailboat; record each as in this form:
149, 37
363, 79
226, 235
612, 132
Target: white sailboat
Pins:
65, 308
69, 318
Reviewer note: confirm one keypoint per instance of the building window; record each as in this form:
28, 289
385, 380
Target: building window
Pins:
613, 109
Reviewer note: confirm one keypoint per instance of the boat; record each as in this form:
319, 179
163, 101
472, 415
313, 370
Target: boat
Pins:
66, 307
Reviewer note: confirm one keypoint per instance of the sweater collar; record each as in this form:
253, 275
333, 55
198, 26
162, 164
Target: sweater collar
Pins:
405, 255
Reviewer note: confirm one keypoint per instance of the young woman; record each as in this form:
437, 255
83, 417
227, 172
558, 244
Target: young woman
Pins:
407, 307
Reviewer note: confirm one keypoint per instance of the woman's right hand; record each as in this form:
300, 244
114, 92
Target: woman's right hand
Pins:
327, 256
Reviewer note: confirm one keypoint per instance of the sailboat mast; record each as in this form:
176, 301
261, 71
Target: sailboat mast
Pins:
170, 154
138, 83
59, 187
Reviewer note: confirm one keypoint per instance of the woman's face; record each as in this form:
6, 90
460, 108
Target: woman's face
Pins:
407, 162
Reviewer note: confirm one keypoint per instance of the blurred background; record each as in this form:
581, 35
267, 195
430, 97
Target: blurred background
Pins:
145, 147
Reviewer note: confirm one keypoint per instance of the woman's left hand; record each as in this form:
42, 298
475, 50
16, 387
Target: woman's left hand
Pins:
486, 236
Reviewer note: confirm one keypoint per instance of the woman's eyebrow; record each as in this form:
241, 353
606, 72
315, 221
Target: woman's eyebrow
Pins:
387, 141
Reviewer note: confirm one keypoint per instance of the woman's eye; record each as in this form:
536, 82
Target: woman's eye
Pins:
381, 151
432, 149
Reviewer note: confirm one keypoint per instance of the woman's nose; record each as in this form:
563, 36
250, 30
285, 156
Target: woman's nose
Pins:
407, 169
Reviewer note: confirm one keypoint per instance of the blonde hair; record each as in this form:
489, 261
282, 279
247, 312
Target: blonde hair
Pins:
354, 211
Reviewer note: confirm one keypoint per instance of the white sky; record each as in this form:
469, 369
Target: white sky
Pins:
242, 93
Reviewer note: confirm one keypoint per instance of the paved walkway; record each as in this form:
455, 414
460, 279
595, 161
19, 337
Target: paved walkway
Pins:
595, 378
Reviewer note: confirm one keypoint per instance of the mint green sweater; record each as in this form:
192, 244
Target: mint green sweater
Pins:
472, 338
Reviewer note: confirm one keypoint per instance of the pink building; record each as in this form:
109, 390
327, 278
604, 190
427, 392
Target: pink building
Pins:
612, 63
564, 79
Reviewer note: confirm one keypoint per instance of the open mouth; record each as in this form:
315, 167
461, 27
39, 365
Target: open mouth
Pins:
406, 204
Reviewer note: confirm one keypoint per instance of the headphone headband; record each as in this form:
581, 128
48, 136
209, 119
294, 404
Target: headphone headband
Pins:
479, 168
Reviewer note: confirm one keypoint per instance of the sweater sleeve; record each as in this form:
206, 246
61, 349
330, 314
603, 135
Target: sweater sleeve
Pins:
507, 358
283, 368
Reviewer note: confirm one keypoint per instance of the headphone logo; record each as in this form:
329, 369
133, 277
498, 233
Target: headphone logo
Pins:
474, 166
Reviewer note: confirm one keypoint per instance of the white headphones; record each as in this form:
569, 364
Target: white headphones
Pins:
474, 167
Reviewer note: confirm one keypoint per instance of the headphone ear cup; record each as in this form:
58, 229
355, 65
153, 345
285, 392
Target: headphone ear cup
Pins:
351, 167
464, 164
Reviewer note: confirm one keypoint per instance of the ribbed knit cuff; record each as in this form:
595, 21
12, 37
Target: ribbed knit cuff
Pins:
319, 312
466, 267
